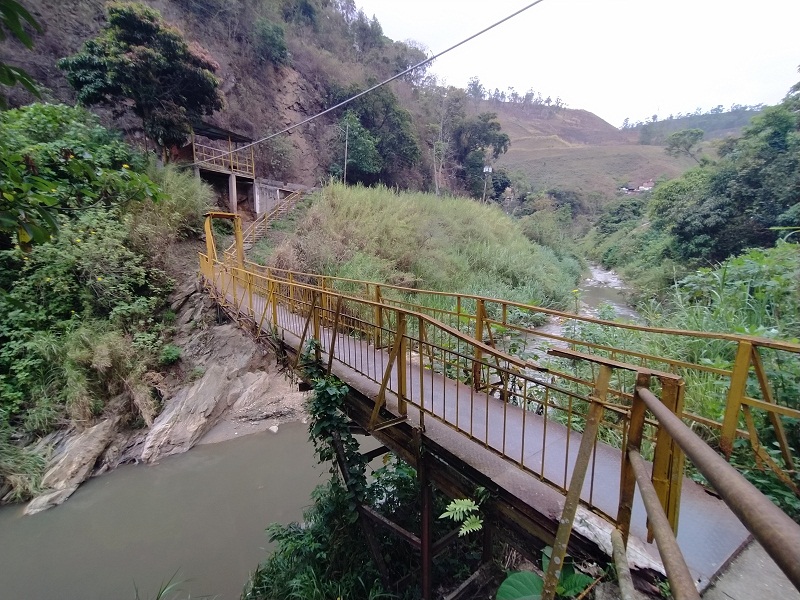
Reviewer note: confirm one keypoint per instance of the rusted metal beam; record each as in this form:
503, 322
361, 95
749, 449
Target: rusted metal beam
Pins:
576, 483
443, 542
472, 583
373, 454
681, 582
378, 518
624, 579
366, 527
741, 368
334, 333
774, 530
634, 442
426, 545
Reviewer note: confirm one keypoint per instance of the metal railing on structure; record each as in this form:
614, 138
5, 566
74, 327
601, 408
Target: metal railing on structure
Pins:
257, 230
460, 359
512, 327
230, 160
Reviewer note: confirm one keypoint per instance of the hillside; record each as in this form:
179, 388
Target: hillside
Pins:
577, 150
715, 124
331, 49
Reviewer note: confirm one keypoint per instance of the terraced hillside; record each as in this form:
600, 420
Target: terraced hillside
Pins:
576, 149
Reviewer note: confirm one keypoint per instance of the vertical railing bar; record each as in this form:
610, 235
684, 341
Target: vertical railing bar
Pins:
335, 333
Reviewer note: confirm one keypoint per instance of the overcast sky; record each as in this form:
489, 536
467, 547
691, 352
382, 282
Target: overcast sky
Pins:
616, 58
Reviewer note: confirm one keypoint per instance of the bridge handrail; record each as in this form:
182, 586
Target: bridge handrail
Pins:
730, 426
774, 530
237, 287
756, 511
761, 341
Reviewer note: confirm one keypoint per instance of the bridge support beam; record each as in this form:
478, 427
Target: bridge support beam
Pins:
232, 194
427, 509
366, 526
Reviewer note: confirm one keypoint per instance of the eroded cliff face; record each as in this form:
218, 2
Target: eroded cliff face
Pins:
224, 385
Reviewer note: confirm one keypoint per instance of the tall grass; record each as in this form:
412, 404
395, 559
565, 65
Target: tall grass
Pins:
421, 241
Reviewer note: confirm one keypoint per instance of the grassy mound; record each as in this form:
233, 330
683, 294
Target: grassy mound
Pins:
424, 242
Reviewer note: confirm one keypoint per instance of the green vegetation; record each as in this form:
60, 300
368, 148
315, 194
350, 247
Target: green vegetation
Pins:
524, 585
13, 18
715, 123
139, 58
755, 293
712, 212
270, 42
81, 325
685, 143
386, 145
327, 557
421, 241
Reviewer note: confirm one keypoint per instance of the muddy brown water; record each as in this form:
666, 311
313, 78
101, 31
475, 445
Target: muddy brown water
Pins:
201, 515
604, 287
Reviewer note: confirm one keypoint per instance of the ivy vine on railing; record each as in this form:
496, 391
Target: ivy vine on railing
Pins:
328, 420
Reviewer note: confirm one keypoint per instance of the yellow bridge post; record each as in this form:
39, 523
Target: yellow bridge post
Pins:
378, 316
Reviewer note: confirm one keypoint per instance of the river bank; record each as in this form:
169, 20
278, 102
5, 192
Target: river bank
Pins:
199, 516
224, 385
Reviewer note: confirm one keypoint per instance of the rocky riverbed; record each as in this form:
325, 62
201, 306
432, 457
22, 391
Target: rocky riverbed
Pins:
224, 385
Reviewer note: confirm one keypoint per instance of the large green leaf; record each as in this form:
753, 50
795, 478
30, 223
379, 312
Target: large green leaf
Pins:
521, 586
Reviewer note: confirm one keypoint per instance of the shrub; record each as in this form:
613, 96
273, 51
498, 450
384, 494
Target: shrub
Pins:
170, 354
178, 212
451, 244
270, 42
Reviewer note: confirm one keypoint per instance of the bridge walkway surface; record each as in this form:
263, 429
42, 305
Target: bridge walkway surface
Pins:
439, 379
478, 433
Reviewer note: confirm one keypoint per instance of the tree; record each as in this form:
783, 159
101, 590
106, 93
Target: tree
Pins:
270, 42
685, 142
390, 125
446, 107
54, 158
363, 158
482, 133
140, 58
12, 18
474, 139
475, 89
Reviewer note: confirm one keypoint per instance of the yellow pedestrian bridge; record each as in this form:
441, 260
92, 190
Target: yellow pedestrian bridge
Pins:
584, 444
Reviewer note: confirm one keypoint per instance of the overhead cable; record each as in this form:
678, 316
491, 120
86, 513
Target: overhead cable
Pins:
381, 84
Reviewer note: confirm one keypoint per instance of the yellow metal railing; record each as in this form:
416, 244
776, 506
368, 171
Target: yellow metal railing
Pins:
472, 349
508, 325
238, 162
461, 360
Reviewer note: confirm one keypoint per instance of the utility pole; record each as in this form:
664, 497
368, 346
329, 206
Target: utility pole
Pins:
346, 136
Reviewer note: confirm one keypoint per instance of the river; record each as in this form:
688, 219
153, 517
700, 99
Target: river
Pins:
604, 287
201, 514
